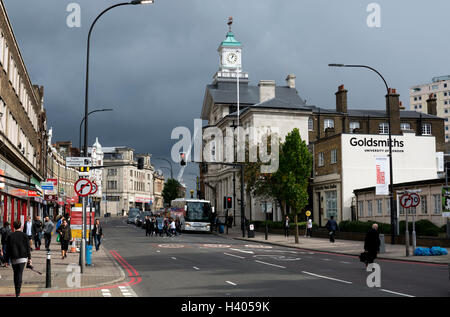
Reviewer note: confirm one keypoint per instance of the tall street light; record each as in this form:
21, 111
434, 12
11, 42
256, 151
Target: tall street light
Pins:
391, 174
81, 124
86, 110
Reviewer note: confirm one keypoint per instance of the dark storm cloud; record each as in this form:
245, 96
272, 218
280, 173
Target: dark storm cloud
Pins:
151, 62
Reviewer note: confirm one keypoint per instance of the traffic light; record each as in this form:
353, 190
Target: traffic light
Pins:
182, 159
227, 202
140, 163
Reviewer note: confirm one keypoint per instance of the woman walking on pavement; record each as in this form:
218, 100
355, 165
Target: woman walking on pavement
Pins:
65, 235
5, 231
97, 233
18, 251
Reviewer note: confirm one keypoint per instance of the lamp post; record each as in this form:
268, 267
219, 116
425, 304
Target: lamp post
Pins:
391, 174
86, 110
81, 124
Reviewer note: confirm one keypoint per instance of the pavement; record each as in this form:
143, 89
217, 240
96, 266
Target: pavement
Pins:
104, 273
347, 247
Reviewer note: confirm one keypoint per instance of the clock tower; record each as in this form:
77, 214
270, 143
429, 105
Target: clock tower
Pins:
230, 53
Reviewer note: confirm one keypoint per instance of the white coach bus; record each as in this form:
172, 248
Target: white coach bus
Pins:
194, 214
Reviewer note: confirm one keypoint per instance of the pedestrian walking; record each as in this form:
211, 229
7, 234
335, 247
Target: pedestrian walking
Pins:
309, 228
97, 232
172, 228
286, 223
28, 230
5, 232
160, 225
48, 229
65, 235
178, 225
332, 227
371, 245
18, 252
37, 232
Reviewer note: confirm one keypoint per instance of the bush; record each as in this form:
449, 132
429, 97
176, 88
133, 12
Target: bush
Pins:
363, 227
423, 228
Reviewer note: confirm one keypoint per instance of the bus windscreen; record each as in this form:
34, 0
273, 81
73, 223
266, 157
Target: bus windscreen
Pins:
198, 211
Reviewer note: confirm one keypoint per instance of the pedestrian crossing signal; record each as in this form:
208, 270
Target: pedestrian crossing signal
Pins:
227, 202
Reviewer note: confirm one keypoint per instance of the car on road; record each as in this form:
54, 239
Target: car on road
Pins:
132, 213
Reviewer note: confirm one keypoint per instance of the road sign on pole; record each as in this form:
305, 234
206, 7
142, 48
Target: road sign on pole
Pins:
78, 161
415, 200
83, 187
406, 201
94, 188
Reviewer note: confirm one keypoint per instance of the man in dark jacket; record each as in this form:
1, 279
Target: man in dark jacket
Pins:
332, 227
37, 232
18, 251
372, 244
5, 231
48, 228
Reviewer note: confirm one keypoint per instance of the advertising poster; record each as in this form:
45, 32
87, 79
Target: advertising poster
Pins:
382, 187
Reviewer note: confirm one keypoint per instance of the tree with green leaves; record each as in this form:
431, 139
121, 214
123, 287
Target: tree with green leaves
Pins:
293, 174
171, 191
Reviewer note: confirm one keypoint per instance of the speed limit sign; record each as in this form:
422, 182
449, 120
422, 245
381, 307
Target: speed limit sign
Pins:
415, 200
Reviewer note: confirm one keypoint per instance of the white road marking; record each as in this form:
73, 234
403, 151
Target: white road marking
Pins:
157, 251
401, 294
196, 268
173, 258
236, 256
249, 252
283, 267
345, 262
326, 277
106, 293
326, 259
127, 291
231, 283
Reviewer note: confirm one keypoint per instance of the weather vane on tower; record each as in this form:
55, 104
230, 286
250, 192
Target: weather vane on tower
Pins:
230, 22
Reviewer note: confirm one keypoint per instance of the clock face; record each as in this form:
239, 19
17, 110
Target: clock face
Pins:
232, 58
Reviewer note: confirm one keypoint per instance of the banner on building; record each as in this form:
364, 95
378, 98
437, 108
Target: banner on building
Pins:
445, 201
382, 187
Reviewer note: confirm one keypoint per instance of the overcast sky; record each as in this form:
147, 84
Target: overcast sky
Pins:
151, 63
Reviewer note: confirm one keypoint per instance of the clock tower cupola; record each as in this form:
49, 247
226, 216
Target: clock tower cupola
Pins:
230, 53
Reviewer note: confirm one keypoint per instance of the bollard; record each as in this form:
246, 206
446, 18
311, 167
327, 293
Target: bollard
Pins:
48, 272
382, 243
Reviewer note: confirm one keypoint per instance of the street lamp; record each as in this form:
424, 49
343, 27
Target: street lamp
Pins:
86, 110
99, 110
391, 174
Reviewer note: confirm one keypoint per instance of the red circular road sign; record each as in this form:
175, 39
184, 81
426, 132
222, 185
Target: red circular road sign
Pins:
415, 200
406, 201
83, 187
94, 188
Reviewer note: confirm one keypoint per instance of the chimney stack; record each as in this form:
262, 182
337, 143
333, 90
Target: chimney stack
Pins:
394, 103
432, 105
341, 99
266, 90
401, 106
290, 80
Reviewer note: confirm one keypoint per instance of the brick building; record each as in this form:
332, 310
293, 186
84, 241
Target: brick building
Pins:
345, 144
23, 148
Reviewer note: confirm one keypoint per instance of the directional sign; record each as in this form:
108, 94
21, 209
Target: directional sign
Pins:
415, 200
406, 201
83, 187
94, 188
78, 161
47, 185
